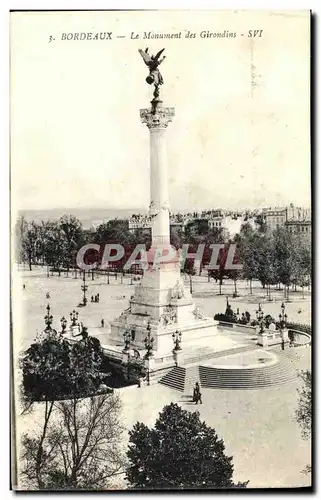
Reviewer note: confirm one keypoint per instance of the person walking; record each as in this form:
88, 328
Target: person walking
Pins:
197, 396
102, 323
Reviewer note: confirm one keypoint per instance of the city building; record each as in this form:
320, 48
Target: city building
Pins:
139, 223
216, 222
274, 218
145, 222
299, 227
296, 219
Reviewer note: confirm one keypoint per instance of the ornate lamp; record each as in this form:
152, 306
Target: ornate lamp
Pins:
149, 341
260, 318
74, 318
84, 288
48, 319
283, 316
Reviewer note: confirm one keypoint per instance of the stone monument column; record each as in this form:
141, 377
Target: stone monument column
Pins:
161, 306
157, 119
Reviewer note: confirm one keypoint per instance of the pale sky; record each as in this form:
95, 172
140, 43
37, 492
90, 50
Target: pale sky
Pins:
241, 135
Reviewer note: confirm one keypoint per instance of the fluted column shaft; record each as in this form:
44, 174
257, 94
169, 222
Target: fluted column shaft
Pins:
157, 121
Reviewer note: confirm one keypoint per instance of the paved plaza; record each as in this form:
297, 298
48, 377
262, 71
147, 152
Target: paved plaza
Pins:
258, 426
65, 295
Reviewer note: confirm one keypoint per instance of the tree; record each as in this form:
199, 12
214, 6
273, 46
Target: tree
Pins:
80, 450
283, 256
43, 369
117, 232
74, 238
260, 223
301, 263
304, 410
114, 231
54, 246
20, 228
54, 368
266, 266
176, 236
29, 239
246, 230
180, 452
135, 369
189, 269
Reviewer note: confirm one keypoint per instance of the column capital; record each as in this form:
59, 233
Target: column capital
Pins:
158, 119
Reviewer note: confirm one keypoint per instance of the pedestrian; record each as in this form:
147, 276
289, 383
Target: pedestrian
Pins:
197, 396
47, 295
198, 392
102, 323
23, 287
97, 297
92, 299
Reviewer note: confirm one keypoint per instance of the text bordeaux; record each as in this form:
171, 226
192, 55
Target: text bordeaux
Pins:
104, 35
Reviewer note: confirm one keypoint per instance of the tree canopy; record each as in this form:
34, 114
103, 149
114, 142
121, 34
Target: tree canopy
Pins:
180, 452
54, 368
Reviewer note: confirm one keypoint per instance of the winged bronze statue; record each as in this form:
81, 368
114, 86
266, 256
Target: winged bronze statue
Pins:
153, 62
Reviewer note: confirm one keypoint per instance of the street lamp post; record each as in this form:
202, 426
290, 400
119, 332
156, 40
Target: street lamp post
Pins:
48, 319
74, 318
84, 288
260, 318
126, 336
283, 320
149, 341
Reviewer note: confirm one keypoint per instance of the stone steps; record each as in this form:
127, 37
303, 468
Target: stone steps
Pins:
174, 378
184, 379
248, 378
154, 377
